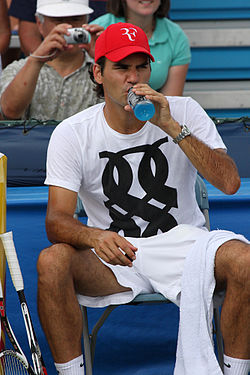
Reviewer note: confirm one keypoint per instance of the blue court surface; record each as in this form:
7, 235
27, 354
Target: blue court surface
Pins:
134, 339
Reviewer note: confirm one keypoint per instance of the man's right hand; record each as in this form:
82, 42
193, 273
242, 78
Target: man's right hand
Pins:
114, 249
53, 44
61, 226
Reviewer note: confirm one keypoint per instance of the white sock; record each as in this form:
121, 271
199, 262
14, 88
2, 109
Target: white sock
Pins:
73, 367
236, 366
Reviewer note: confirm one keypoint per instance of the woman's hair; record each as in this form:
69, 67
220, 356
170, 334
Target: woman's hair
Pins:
119, 7
98, 88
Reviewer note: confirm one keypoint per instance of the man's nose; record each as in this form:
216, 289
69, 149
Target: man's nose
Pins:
133, 76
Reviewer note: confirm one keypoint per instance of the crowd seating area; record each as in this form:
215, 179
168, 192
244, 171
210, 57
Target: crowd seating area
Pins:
219, 73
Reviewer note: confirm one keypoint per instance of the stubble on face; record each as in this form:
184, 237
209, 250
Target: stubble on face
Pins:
119, 76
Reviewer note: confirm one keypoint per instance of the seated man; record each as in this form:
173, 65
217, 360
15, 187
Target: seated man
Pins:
136, 180
53, 82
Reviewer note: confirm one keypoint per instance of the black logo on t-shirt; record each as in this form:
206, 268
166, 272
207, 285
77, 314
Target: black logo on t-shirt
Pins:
124, 207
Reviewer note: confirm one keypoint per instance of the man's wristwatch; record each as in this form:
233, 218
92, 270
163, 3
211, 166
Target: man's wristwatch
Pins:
183, 134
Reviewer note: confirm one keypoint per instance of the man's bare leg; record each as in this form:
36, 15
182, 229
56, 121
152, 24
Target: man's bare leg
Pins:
232, 270
63, 271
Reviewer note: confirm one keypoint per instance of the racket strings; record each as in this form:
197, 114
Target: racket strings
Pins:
11, 364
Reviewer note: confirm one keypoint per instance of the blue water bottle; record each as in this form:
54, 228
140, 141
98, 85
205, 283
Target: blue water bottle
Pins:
143, 108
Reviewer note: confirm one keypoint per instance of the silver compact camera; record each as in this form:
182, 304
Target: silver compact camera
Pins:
78, 35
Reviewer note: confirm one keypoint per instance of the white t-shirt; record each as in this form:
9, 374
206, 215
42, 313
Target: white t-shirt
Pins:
139, 184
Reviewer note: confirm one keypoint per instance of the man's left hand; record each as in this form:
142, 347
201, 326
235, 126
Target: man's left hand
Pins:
95, 31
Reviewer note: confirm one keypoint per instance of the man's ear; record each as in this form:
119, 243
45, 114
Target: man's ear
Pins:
97, 73
39, 25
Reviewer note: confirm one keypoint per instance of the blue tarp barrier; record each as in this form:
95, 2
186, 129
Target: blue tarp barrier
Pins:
236, 136
26, 145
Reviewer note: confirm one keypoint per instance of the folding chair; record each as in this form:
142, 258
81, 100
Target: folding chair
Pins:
89, 339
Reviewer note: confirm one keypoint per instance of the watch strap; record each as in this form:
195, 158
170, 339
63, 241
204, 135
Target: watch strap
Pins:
183, 134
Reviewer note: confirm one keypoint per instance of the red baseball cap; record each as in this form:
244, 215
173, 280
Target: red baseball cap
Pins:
120, 40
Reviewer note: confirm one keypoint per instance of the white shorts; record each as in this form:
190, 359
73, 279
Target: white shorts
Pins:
158, 267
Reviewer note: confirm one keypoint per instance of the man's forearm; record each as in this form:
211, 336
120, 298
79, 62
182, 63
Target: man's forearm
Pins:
64, 228
108, 245
214, 165
18, 94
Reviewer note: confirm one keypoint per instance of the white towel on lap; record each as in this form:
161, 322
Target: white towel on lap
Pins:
195, 352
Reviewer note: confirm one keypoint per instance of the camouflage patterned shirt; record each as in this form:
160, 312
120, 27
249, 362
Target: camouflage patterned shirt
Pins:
55, 97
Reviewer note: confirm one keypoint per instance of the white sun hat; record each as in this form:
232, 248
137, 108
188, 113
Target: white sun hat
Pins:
63, 8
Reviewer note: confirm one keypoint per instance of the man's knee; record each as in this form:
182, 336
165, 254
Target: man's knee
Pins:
232, 265
53, 261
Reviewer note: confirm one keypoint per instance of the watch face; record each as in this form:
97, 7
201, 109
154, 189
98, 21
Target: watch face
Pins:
185, 128
185, 131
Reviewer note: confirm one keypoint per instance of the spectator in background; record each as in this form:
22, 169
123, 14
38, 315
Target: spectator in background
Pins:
99, 7
168, 42
29, 35
14, 51
14, 22
5, 31
53, 82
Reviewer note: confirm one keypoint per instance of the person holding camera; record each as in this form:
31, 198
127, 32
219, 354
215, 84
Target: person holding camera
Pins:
53, 82
29, 36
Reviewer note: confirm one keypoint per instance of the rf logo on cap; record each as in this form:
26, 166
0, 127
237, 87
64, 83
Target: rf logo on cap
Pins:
120, 40
130, 32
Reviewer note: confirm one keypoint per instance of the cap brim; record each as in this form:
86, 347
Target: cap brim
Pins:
123, 52
64, 10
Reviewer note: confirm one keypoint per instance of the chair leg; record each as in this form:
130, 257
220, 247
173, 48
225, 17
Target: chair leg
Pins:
95, 330
219, 338
89, 340
86, 342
